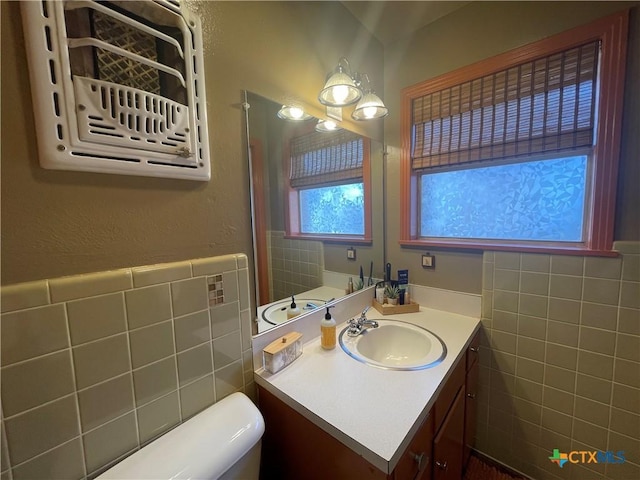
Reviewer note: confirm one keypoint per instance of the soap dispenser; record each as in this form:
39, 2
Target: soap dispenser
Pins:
328, 331
293, 309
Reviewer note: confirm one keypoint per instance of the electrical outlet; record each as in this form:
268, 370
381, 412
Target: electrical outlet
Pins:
428, 261
351, 253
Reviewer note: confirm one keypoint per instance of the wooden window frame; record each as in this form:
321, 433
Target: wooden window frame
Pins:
292, 204
612, 33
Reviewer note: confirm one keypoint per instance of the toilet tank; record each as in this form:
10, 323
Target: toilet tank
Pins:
204, 447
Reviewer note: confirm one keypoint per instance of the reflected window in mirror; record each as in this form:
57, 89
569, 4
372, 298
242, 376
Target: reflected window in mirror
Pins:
329, 186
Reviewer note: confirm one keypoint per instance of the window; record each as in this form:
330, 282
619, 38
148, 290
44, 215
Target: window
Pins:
519, 151
328, 188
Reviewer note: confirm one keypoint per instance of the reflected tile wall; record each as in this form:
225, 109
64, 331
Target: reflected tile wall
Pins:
561, 361
295, 265
95, 366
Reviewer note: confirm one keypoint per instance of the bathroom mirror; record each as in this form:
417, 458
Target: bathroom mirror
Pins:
312, 270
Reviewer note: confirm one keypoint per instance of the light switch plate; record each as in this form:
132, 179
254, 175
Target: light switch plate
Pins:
351, 253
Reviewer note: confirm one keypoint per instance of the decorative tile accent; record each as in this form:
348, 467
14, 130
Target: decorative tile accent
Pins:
215, 289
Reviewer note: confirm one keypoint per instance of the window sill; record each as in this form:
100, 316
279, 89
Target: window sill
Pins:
347, 239
497, 246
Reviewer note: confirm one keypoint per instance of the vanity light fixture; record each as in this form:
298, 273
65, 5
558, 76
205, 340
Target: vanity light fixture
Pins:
370, 105
341, 89
296, 114
344, 88
327, 126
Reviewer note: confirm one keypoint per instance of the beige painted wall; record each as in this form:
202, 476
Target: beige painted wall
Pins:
477, 31
58, 223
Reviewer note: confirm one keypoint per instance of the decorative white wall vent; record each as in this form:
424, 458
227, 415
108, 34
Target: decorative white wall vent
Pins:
118, 87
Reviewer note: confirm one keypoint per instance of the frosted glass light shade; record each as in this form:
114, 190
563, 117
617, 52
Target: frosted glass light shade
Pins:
340, 90
297, 114
369, 107
327, 126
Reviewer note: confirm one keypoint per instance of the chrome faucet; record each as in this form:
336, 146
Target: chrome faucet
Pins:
359, 325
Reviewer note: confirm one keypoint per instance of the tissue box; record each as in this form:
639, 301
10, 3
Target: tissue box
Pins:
282, 352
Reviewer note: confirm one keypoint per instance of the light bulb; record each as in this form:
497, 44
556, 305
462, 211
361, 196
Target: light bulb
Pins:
296, 112
340, 93
369, 112
330, 125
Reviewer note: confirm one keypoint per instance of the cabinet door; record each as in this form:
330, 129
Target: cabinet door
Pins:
470, 410
447, 446
415, 463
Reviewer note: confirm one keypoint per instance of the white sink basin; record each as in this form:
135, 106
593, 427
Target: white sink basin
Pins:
276, 313
395, 345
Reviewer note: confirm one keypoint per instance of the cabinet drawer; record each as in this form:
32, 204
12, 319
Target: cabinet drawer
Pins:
415, 463
448, 393
473, 351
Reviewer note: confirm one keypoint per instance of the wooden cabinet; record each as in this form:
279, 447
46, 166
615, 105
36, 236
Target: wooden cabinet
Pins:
415, 463
293, 447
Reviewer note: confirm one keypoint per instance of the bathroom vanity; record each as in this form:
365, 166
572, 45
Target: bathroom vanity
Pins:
328, 415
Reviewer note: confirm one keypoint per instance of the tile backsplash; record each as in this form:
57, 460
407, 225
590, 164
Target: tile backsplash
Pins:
294, 265
95, 366
562, 367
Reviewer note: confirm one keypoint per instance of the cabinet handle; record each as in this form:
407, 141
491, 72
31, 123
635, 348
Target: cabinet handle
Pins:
474, 349
421, 459
471, 395
441, 465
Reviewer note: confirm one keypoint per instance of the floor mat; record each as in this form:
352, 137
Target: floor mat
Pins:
477, 469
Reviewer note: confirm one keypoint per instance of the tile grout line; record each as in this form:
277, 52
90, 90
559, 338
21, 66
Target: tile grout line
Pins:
575, 382
175, 347
615, 356
75, 387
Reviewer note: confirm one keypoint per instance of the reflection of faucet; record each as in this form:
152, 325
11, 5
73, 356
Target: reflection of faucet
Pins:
359, 325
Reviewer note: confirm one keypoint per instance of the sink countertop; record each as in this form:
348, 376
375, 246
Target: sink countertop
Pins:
373, 411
